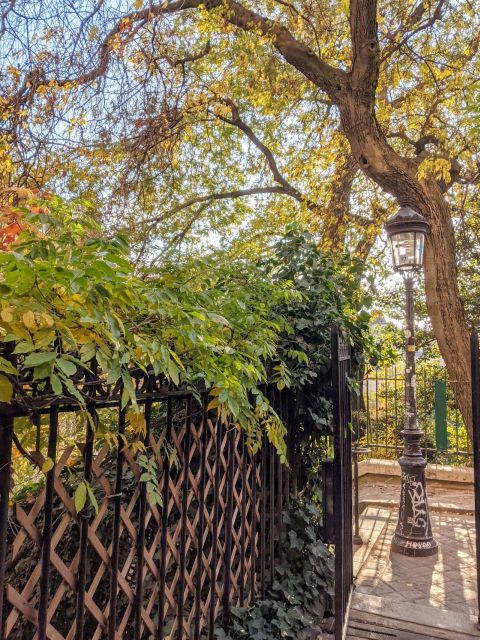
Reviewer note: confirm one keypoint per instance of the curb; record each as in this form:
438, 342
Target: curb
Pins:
440, 472
438, 507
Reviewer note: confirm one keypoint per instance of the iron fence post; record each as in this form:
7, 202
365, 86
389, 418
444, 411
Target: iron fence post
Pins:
6, 427
342, 481
475, 370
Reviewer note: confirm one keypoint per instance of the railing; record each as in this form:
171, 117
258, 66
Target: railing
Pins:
475, 371
137, 565
342, 482
379, 411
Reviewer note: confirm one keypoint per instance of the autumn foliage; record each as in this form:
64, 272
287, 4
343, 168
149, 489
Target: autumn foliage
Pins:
12, 218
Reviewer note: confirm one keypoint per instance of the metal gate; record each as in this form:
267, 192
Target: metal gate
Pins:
342, 481
475, 358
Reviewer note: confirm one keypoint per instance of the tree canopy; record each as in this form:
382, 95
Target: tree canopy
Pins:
185, 122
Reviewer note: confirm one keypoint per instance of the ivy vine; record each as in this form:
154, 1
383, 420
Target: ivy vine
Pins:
301, 594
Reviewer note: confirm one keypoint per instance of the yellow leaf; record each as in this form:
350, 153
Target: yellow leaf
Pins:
67, 334
82, 336
43, 338
213, 404
6, 314
47, 318
19, 330
137, 422
29, 320
138, 4
6, 389
101, 343
111, 440
177, 359
47, 465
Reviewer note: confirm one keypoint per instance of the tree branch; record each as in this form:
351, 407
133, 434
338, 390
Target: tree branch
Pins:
301, 15
338, 215
299, 55
4, 16
414, 19
212, 197
181, 234
236, 121
191, 58
420, 144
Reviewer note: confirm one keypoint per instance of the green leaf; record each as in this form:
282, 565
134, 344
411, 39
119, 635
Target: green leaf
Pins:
218, 318
114, 372
56, 384
173, 372
68, 368
124, 398
35, 359
7, 366
42, 371
199, 315
80, 496
87, 352
129, 389
24, 347
6, 389
47, 465
74, 391
93, 500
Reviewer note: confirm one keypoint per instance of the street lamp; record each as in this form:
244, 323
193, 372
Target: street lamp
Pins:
413, 537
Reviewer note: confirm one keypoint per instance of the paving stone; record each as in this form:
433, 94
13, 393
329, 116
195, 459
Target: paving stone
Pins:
447, 581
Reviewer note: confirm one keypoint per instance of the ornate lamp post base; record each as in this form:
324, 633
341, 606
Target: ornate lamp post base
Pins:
413, 536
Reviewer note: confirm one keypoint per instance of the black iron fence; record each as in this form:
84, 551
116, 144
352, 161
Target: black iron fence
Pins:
475, 371
379, 413
163, 545
103, 541
342, 482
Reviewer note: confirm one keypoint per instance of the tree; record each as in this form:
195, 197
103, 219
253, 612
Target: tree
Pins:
375, 91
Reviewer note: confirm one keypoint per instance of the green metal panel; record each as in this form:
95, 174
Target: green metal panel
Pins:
441, 434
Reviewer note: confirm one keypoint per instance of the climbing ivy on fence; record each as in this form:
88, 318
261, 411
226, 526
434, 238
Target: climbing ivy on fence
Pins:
302, 591
334, 290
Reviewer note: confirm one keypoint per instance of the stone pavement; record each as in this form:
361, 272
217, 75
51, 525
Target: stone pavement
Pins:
400, 597
446, 581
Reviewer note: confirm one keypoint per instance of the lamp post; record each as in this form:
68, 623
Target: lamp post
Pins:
413, 537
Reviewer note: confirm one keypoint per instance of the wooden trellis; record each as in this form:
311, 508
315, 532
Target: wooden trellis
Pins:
133, 569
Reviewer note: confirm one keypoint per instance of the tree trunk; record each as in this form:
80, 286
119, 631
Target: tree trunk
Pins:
398, 176
444, 304
336, 212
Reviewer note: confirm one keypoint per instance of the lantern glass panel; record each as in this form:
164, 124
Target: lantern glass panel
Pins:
403, 246
419, 249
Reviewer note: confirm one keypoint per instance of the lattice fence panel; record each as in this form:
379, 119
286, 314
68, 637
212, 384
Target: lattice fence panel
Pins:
179, 565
